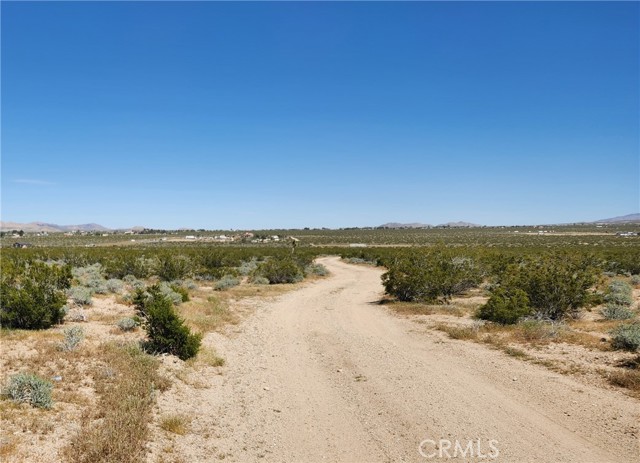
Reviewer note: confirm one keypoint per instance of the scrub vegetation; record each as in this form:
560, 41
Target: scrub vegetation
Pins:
96, 316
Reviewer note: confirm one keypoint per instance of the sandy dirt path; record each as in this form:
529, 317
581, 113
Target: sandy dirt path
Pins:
325, 374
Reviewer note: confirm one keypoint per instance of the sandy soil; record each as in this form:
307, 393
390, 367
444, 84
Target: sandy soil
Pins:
324, 373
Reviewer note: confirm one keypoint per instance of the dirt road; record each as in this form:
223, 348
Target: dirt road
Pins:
326, 374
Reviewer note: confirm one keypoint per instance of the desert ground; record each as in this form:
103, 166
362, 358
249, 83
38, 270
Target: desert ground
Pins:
322, 372
325, 373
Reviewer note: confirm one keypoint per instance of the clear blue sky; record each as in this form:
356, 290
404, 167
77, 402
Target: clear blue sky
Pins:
260, 115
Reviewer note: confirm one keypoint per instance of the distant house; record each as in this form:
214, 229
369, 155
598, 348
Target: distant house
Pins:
21, 245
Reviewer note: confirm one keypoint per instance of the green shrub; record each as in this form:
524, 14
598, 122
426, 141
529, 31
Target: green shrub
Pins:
635, 280
173, 267
505, 307
29, 388
626, 336
557, 285
258, 280
72, 338
32, 295
279, 271
430, 276
166, 331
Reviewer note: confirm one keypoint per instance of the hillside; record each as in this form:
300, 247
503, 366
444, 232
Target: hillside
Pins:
629, 218
38, 227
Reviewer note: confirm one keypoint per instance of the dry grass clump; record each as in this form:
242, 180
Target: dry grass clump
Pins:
628, 379
8, 446
530, 332
118, 427
417, 308
627, 376
209, 315
208, 357
459, 332
176, 424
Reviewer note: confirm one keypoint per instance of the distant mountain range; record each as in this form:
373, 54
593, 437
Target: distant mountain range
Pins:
35, 227
630, 218
404, 225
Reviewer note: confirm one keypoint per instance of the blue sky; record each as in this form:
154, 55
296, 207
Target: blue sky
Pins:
267, 115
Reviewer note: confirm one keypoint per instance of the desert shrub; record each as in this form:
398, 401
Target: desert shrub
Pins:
246, 268
29, 388
72, 338
226, 282
114, 285
505, 307
127, 324
80, 295
430, 276
133, 282
75, 316
626, 336
258, 280
122, 265
189, 284
278, 271
619, 293
360, 260
171, 267
617, 312
91, 277
635, 280
166, 331
178, 288
169, 291
316, 269
32, 295
557, 285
